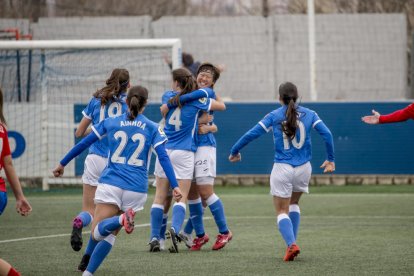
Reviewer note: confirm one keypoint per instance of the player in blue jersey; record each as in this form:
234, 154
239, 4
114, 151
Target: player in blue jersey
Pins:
205, 171
291, 126
106, 102
181, 129
123, 185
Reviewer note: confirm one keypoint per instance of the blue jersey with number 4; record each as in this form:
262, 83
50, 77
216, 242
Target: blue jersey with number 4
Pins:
296, 151
130, 145
181, 124
96, 112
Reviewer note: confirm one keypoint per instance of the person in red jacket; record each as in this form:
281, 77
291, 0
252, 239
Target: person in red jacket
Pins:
397, 116
22, 205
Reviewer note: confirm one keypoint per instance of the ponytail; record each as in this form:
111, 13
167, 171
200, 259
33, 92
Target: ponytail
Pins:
288, 94
115, 85
291, 124
185, 81
137, 100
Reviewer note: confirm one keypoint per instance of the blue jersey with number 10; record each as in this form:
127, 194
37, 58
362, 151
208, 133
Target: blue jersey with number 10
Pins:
97, 113
130, 145
181, 124
297, 151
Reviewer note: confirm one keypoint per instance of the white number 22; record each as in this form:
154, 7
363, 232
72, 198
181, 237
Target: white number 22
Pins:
133, 160
297, 144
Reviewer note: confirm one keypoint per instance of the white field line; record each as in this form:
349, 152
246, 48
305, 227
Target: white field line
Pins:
231, 217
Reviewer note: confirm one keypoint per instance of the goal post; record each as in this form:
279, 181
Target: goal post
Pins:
65, 74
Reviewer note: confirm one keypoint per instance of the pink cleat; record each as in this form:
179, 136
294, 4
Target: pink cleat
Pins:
128, 221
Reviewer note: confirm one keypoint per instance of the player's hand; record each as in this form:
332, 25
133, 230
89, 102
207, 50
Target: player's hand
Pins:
59, 171
23, 207
164, 110
203, 129
235, 158
328, 166
373, 119
177, 194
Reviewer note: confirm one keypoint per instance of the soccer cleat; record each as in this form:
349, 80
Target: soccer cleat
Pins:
76, 236
84, 262
187, 239
199, 242
154, 245
222, 240
171, 237
291, 253
128, 221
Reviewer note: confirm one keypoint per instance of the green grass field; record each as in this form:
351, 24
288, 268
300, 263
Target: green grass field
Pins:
344, 231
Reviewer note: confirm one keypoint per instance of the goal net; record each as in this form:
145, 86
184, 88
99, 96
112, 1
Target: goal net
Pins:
46, 85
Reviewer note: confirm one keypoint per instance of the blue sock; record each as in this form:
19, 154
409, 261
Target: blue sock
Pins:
188, 229
196, 216
157, 212
164, 226
101, 251
178, 216
106, 227
85, 217
91, 246
286, 228
217, 209
294, 215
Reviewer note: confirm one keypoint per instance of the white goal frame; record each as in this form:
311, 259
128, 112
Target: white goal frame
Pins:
176, 59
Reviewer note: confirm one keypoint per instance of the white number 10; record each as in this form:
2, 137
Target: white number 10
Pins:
295, 142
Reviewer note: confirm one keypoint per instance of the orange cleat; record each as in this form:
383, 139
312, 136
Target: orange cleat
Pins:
291, 253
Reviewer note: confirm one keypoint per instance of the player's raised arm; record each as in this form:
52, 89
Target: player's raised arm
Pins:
75, 151
254, 133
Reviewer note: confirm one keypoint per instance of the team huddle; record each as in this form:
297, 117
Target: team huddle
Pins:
120, 141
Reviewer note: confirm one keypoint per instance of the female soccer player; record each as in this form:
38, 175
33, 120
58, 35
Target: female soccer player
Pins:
180, 128
291, 125
106, 102
205, 171
22, 205
397, 116
123, 185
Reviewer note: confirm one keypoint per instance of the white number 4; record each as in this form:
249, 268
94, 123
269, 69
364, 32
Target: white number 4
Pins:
175, 119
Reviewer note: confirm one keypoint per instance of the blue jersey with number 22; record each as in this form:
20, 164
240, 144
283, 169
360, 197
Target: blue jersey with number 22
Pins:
130, 145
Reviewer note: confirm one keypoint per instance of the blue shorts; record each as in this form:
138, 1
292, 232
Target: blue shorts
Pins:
3, 201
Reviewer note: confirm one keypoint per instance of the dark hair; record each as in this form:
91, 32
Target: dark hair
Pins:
187, 59
137, 100
288, 93
185, 81
115, 85
2, 119
209, 67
